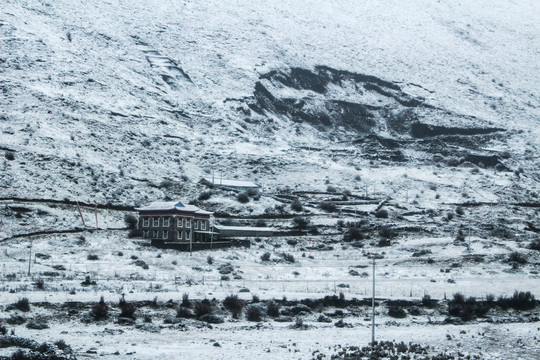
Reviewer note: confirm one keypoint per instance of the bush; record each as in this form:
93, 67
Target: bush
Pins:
40, 284
92, 257
272, 309
382, 214
387, 232
9, 155
384, 243
331, 189
3, 329
535, 245
296, 205
265, 256
205, 195
243, 197
520, 301
353, 233
428, 302
234, 305
450, 216
517, 257
254, 313
185, 300
287, 257
184, 313
203, 307
22, 304
131, 221
300, 223
460, 211
396, 312
459, 298
327, 206
127, 309
100, 311
209, 260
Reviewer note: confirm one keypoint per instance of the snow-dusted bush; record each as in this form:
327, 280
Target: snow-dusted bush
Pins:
272, 309
265, 256
100, 311
300, 223
535, 245
296, 205
328, 206
203, 307
234, 305
254, 313
242, 198
517, 257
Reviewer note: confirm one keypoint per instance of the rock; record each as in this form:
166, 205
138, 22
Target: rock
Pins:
212, 319
225, 269
37, 325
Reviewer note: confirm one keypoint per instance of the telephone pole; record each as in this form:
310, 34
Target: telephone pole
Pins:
373, 308
30, 257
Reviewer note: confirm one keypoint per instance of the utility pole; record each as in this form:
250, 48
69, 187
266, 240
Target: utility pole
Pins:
30, 257
190, 243
373, 308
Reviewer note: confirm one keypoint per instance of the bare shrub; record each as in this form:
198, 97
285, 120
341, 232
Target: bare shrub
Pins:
22, 304
205, 195
254, 313
243, 197
234, 305
203, 307
296, 205
100, 311
300, 223
272, 309
127, 309
185, 300
327, 206
517, 257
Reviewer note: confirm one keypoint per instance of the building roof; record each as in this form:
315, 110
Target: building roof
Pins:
173, 206
230, 183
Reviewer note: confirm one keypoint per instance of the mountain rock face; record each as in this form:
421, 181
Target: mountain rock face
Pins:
106, 102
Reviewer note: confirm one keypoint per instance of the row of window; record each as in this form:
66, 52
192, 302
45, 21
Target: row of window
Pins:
180, 235
179, 222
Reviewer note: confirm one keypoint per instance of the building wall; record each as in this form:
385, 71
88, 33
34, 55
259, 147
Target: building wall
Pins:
171, 227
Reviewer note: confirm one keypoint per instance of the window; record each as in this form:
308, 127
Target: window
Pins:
188, 235
165, 235
146, 222
196, 224
166, 221
145, 234
156, 222
203, 225
179, 235
154, 234
188, 223
180, 222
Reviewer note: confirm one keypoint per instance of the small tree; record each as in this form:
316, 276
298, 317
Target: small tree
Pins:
243, 197
131, 221
234, 305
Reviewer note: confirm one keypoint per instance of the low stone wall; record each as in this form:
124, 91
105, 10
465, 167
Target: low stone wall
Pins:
184, 246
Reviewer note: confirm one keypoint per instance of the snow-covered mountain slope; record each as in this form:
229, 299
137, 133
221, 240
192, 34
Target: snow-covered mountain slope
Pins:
108, 100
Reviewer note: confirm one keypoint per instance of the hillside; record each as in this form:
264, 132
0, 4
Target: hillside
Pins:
402, 132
